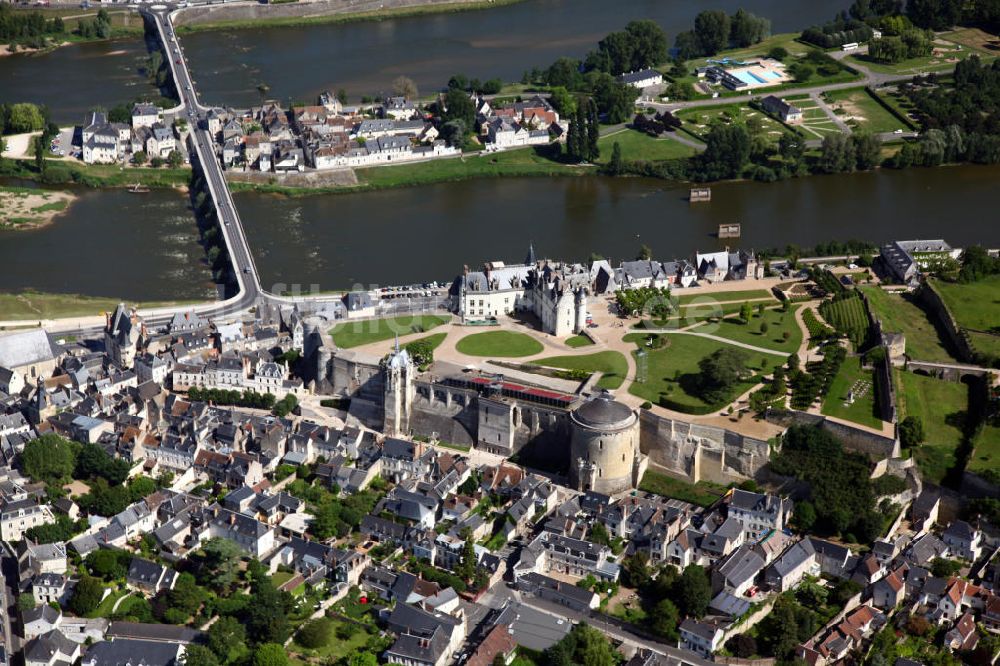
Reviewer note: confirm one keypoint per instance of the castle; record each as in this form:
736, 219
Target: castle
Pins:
554, 292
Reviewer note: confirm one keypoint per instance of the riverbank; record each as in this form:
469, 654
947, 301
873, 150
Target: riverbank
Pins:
64, 172
298, 14
28, 306
524, 162
23, 208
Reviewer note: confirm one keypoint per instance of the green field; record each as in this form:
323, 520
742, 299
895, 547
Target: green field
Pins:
986, 455
672, 372
778, 322
901, 314
975, 305
702, 493
521, 162
578, 341
941, 407
849, 317
861, 109
852, 376
499, 343
723, 296
611, 363
357, 333
640, 146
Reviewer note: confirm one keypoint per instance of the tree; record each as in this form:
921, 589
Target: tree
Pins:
763, 328
720, 372
199, 655
582, 646
108, 564
362, 659
615, 166
453, 132
220, 560
404, 86
805, 515
911, 431
49, 458
867, 150
778, 53
86, 595
664, 619
934, 14
563, 101
266, 616
26, 602
314, 634
837, 154
467, 564
746, 312
726, 154
712, 29
227, 639
139, 158
458, 106
694, 591
270, 654
175, 159
645, 253
615, 100
24, 117
593, 132
743, 646
747, 29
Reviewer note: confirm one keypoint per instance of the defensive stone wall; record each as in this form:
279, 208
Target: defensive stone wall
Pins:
700, 452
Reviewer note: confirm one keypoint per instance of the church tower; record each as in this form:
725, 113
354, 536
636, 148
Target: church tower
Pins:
398, 392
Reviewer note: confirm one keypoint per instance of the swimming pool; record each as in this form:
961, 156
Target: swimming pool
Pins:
751, 79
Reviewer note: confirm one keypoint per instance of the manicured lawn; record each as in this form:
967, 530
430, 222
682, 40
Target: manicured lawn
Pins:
357, 333
672, 372
902, 314
640, 146
778, 322
611, 363
862, 109
30, 305
279, 578
336, 647
941, 406
578, 341
702, 493
698, 120
685, 298
104, 608
433, 340
499, 343
852, 376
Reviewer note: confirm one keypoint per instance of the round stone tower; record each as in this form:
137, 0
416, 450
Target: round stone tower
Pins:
604, 445
581, 310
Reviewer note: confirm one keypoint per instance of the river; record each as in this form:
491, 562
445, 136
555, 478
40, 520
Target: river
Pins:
362, 57
111, 243
73, 79
427, 233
